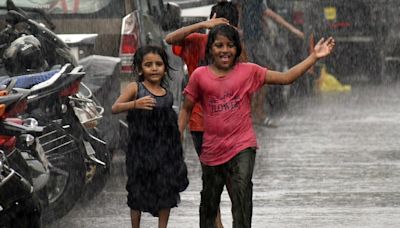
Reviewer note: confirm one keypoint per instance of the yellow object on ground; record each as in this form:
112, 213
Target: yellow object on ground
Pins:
328, 83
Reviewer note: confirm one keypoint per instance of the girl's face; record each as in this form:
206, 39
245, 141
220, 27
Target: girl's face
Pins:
153, 68
223, 52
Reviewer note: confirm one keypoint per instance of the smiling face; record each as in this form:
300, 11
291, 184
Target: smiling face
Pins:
223, 53
153, 68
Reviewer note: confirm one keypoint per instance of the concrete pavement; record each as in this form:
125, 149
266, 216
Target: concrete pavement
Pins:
334, 161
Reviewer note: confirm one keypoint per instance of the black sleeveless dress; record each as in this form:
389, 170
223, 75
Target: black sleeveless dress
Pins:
155, 164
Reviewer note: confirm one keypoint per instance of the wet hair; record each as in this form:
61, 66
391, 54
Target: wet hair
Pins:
229, 32
139, 56
226, 10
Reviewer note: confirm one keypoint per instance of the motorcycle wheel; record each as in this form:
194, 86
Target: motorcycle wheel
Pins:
25, 212
67, 171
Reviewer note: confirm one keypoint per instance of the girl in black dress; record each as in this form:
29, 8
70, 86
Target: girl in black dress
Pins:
154, 159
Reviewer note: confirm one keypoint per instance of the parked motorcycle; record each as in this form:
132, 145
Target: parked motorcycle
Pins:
68, 144
19, 204
63, 104
35, 48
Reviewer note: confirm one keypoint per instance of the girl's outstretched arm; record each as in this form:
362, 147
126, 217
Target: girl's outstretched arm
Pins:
177, 36
322, 49
281, 21
184, 115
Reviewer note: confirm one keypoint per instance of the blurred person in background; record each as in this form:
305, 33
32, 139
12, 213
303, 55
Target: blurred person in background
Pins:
262, 41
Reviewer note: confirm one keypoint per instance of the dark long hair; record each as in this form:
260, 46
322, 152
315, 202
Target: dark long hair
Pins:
227, 10
229, 32
138, 59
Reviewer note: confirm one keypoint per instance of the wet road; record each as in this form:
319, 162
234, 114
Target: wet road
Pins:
334, 161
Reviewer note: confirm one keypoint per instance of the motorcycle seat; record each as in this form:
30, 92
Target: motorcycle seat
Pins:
53, 77
29, 80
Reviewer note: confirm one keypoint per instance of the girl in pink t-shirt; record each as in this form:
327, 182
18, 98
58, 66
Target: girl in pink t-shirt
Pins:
224, 88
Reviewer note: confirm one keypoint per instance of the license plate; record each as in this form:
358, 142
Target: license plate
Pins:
330, 13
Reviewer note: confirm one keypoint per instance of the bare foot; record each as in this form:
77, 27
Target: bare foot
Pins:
219, 225
218, 222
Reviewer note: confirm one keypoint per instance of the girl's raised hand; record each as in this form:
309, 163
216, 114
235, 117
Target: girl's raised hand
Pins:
214, 21
147, 102
324, 47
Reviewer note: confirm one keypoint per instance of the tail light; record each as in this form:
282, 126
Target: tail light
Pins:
338, 25
2, 110
129, 41
7, 142
3, 106
71, 90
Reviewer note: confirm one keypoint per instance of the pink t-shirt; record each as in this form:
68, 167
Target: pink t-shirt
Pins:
228, 127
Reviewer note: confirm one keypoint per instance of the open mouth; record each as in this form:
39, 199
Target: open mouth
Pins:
225, 59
